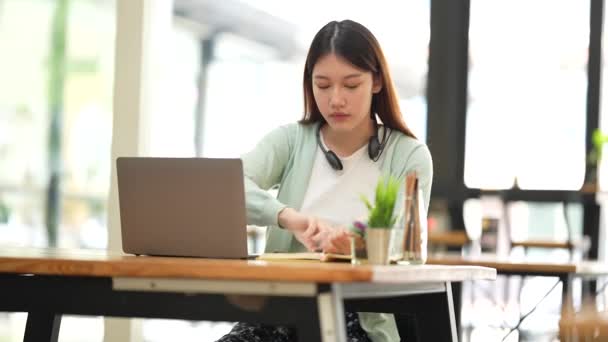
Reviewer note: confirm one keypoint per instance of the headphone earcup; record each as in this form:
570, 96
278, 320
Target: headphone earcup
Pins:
331, 157
373, 148
333, 160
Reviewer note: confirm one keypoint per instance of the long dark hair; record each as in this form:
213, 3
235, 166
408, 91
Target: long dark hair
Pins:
355, 43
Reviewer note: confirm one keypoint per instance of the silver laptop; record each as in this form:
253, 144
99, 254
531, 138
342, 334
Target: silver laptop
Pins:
182, 207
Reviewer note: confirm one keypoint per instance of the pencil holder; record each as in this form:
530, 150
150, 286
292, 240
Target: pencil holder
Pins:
415, 233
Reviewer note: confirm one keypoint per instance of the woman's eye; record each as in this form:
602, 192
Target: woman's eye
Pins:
322, 86
351, 86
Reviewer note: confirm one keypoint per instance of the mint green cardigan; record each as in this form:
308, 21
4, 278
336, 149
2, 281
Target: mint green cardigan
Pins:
285, 158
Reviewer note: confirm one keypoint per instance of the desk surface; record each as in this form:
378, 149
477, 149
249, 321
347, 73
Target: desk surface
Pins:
523, 265
67, 262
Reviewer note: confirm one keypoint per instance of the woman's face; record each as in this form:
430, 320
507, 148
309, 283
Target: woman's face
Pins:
343, 92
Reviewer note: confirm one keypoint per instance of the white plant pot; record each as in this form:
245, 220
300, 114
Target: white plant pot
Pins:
377, 241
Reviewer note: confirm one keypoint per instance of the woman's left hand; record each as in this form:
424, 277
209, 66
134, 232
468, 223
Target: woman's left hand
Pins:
338, 241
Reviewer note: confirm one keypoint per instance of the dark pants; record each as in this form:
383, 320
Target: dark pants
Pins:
247, 332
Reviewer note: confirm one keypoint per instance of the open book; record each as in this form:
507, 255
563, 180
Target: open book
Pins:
305, 256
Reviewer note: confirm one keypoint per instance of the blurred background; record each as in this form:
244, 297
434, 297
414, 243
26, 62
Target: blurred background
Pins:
506, 93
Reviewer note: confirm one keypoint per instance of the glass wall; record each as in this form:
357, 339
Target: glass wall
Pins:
527, 107
527, 94
86, 118
526, 117
85, 129
251, 84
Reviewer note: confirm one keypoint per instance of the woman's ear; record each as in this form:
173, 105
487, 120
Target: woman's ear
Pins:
377, 86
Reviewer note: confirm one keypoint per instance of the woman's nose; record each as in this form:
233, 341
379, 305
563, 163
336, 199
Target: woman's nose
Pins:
337, 98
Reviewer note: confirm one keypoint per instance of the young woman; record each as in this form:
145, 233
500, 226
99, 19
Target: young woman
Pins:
323, 163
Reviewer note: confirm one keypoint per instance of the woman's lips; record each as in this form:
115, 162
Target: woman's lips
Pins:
339, 116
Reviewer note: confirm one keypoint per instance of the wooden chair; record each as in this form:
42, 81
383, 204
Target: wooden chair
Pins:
587, 325
451, 238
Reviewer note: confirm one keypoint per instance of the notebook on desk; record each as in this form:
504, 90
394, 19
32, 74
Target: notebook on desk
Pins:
192, 207
313, 256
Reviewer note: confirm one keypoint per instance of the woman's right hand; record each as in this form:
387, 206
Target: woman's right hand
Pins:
309, 230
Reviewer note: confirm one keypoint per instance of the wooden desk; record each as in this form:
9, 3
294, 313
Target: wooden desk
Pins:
309, 296
565, 271
525, 266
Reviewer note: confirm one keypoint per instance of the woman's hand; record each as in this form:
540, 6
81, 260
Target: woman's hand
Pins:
303, 227
314, 234
337, 241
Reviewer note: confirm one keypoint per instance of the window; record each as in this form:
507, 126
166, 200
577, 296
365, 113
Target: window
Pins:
86, 121
249, 84
527, 94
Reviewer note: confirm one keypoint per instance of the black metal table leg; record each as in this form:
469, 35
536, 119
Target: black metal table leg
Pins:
309, 329
438, 312
307, 323
457, 299
42, 326
567, 297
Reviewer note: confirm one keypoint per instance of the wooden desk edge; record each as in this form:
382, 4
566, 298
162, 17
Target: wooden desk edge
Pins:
238, 270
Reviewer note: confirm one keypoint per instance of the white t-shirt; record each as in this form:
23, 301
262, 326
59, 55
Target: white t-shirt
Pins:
335, 196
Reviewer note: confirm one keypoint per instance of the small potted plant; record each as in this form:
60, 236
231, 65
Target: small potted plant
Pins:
381, 220
594, 158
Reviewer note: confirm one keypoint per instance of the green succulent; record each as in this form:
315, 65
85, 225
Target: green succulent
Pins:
598, 139
381, 213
